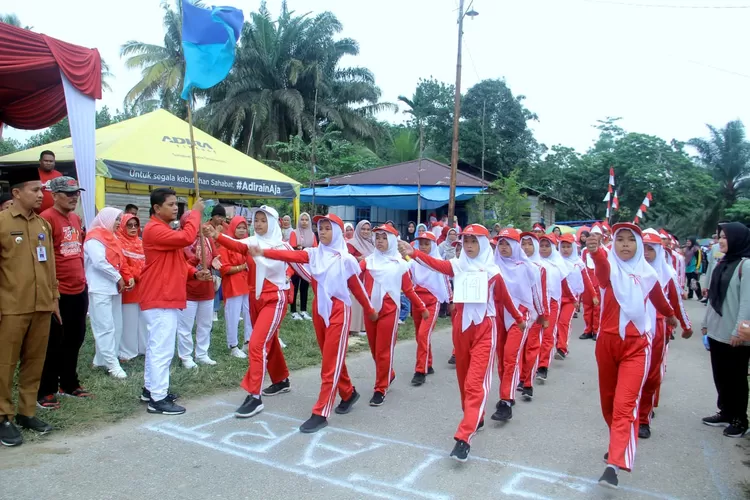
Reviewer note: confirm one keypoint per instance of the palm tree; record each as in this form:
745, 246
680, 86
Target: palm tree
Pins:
13, 20
726, 154
286, 81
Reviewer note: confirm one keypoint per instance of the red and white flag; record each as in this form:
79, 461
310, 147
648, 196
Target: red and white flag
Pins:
615, 202
643, 208
611, 176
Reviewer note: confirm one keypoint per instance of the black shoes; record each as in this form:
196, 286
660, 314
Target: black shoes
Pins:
717, 420
609, 478
586, 336
560, 354
418, 379
345, 406
541, 374
461, 451
519, 387
644, 431
146, 396
504, 411
249, 408
527, 393
164, 407
480, 426
313, 424
9, 433
430, 371
452, 360
33, 424
737, 429
377, 399
277, 388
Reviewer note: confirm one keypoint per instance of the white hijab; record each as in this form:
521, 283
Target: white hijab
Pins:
331, 266
436, 283
267, 269
475, 313
575, 268
536, 259
632, 281
387, 270
557, 271
522, 278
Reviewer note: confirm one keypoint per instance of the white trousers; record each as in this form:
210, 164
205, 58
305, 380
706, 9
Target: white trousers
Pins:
202, 313
162, 331
234, 308
134, 334
105, 312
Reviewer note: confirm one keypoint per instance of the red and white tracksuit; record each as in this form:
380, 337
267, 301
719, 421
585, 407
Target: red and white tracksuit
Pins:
423, 328
567, 308
532, 348
623, 366
475, 349
591, 312
649, 394
333, 339
382, 333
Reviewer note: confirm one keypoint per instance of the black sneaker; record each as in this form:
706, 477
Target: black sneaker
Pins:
671, 336
277, 388
527, 393
418, 379
609, 478
377, 399
461, 451
593, 337
653, 414
504, 411
164, 407
250, 407
430, 371
9, 433
560, 355
33, 424
345, 406
606, 458
452, 360
736, 429
519, 387
586, 336
146, 396
480, 426
644, 431
717, 420
313, 424
541, 374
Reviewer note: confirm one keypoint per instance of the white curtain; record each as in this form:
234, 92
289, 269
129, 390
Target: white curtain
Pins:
82, 118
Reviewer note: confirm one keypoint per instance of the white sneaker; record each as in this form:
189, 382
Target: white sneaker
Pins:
306, 316
400, 322
236, 353
296, 316
362, 334
189, 364
205, 360
216, 316
117, 372
281, 343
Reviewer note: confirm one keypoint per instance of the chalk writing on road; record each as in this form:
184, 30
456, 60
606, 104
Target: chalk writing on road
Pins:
373, 466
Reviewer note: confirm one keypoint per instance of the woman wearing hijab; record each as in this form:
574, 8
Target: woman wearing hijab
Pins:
729, 310
574, 287
591, 305
411, 232
693, 264
134, 334
496, 230
269, 286
234, 286
361, 246
385, 275
348, 231
286, 228
523, 281
654, 253
623, 347
200, 304
107, 277
446, 247
301, 238
474, 328
333, 274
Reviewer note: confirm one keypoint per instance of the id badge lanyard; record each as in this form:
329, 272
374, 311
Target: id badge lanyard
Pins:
41, 250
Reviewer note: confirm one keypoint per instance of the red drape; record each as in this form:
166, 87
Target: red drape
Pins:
31, 90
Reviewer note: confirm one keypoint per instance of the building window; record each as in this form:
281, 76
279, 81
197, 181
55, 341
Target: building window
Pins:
361, 213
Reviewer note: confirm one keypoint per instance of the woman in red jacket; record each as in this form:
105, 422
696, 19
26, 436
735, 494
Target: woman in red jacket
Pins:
134, 340
332, 273
301, 238
574, 286
591, 306
557, 272
385, 275
623, 348
235, 288
474, 328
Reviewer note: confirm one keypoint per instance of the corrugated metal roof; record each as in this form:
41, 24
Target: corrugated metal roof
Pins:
433, 173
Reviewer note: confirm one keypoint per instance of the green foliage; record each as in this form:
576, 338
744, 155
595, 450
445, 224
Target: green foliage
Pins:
739, 212
8, 146
505, 203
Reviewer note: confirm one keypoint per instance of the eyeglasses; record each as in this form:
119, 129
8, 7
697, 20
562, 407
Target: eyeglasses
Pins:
74, 194
132, 225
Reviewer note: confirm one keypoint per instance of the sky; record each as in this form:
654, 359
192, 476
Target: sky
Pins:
667, 67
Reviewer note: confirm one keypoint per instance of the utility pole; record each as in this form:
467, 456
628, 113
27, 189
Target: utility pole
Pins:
419, 172
312, 155
481, 195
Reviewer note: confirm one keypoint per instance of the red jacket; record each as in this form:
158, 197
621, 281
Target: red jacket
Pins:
164, 277
233, 254
198, 290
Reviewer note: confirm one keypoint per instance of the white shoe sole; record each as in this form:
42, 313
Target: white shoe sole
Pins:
153, 411
248, 415
608, 485
460, 460
10, 445
735, 436
720, 424
210, 362
559, 357
271, 394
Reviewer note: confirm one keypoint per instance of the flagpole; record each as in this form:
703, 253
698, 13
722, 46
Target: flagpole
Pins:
195, 178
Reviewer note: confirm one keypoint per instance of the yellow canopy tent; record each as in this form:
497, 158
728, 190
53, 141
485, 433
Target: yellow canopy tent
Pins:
154, 150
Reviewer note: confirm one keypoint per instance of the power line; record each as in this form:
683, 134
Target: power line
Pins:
667, 6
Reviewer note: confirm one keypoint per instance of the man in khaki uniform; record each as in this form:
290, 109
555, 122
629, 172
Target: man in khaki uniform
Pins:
28, 300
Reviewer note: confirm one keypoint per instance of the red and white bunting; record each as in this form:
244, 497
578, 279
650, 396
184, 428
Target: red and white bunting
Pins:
611, 176
643, 208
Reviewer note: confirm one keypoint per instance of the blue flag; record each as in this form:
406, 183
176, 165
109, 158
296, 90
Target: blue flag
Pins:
209, 37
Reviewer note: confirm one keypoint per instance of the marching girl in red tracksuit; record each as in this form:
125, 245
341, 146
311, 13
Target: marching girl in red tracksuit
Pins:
574, 286
332, 273
591, 302
234, 287
623, 348
655, 255
433, 289
557, 273
532, 348
268, 284
385, 275
474, 328
524, 282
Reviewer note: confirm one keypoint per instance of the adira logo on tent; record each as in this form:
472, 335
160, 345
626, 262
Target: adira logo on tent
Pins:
185, 141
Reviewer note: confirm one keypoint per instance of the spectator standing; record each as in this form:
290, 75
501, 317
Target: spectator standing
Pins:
47, 172
219, 221
6, 200
134, 339
65, 338
131, 209
286, 228
301, 238
693, 267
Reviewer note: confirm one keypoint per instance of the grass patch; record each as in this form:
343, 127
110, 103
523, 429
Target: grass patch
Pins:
115, 400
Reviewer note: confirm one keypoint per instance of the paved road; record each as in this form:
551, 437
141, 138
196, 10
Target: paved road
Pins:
551, 449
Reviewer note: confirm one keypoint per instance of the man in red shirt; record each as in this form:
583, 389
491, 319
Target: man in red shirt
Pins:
47, 172
66, 338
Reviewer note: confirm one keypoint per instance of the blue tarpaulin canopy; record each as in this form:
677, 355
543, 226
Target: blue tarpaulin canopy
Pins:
380, 195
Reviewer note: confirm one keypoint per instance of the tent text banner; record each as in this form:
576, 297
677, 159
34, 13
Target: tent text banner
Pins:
171, 177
